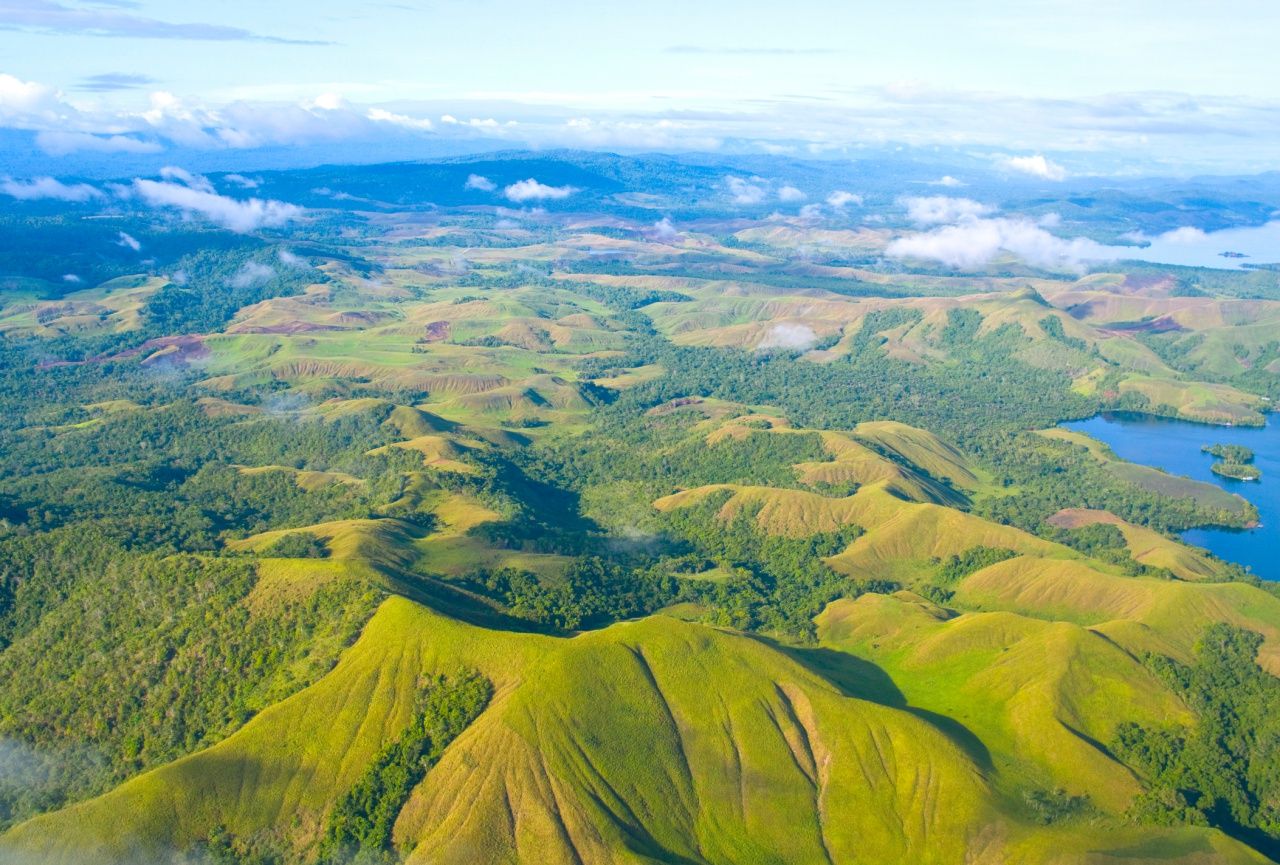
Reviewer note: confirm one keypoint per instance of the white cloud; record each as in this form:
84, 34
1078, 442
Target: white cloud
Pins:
243, 182
173, 173
1187, 234
128, 241
327, 102
532, 190
811, 212
289, 259
71, 278
976, 242
480, 182
948, 181
48, 187
239, 216
18, 97
1162, 130
792, 336
790, 193
840, 198
66, 143
747, 192
380, 115
939, 209
664, 231
1037, 166
1050, 220
253, 273
474, 122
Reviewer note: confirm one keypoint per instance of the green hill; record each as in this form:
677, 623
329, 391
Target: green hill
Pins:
658, 741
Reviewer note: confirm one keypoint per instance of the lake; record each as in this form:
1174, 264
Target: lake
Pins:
1175, 447
1191, 247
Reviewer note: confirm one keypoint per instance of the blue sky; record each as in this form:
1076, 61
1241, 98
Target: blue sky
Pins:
1124, 84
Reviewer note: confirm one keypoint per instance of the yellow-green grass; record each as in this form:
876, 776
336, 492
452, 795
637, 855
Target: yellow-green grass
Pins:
1199, 401
1140, 613
632, 377
387, 543
1145, 545
287, 766
901, 538
113, 406
850, 461
283, 580
306, 480
438, 452
651, 741
452, 551
113, 307
1042, 697
924, 450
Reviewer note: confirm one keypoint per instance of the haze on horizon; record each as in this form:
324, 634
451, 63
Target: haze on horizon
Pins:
1130, 88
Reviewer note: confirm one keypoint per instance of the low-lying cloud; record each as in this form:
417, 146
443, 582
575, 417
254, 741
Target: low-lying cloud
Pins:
243, 182
940, 209
1037, 166
532, 190
841, 199
49, 188
791, 194
664, 231
289, 259
240, 216
975, 243
480, 182
253, 274
67, 143
789, 336
747, 193
381, 115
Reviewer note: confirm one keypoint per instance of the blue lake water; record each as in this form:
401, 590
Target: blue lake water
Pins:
1191, 247
1174, 446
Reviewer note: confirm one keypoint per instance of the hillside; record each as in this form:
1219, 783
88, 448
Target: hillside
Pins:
860, 781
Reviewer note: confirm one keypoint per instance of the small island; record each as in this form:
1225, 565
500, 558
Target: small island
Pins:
1234, 461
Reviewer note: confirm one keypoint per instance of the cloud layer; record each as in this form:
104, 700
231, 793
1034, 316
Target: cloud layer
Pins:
49, 188
939, 209
1037, 166
1103, 133
975, 243
789, 336
194, 196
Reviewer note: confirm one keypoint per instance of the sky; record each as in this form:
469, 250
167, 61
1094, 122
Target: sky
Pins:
1123, 86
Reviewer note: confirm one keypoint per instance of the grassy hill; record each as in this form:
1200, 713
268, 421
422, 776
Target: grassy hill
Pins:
711, 736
